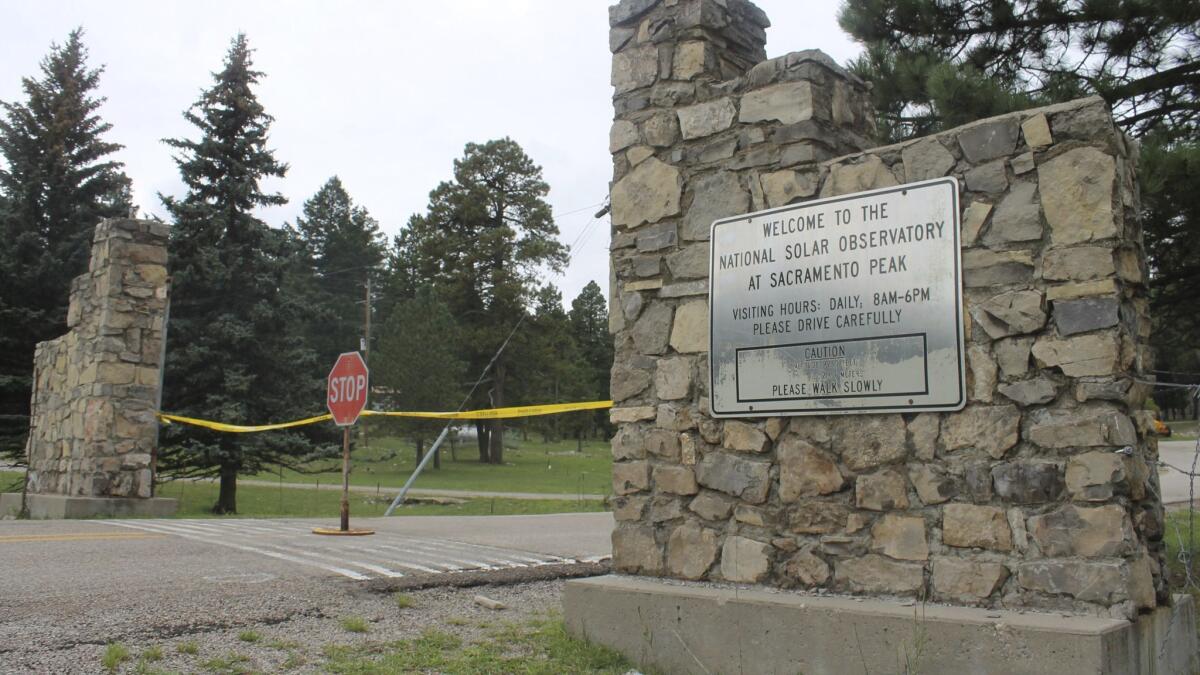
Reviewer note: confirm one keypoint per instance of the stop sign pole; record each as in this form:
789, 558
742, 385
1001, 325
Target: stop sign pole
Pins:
346, 396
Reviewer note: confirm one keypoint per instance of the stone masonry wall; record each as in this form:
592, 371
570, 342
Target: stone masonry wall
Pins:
93, 429
1041, 493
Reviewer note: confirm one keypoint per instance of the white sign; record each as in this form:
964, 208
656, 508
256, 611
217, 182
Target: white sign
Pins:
851, 304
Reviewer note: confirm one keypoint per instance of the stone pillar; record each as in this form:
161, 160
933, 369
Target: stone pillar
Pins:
93, 427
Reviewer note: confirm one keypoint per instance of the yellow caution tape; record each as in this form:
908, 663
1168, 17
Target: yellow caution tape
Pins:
487, 414
240, 429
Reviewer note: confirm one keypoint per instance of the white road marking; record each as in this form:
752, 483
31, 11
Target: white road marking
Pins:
250, 549
377, 556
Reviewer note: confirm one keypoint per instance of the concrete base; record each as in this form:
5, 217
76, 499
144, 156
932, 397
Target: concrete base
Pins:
689, 628
57, 507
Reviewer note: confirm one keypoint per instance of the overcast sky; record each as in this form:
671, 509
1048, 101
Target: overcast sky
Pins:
383, 94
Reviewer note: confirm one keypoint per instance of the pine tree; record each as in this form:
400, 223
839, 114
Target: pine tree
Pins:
1142, 57
589, 326
418, 362
57, 182
935, 65
235, 351
487, 237
343, 248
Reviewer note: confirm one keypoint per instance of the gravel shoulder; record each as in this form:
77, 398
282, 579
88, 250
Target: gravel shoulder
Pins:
295, 620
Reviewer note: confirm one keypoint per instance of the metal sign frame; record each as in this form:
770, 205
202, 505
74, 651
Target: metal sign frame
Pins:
949, 396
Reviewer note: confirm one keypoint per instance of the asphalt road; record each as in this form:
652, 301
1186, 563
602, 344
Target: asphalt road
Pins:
1174, 484
69, 583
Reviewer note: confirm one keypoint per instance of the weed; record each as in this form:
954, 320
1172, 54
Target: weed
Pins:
457, 621
249, 636
232, 664
190, 648
403, 600
355, 624
151, 654
114, 655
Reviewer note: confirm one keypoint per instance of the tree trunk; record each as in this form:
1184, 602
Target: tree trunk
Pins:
420, 450
497, 435
579, 441
453, 450
481, 436
227, 497
437, 458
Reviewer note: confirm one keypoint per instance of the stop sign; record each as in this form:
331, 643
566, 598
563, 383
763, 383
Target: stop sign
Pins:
346, 394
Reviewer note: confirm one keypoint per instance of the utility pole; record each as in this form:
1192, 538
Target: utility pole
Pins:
366, 345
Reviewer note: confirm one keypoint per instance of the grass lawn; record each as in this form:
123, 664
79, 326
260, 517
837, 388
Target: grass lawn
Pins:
532, 466
1183, 431
541, 646
260, 501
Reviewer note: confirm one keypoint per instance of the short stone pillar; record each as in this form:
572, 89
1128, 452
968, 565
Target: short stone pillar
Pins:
93, 427
1040, 494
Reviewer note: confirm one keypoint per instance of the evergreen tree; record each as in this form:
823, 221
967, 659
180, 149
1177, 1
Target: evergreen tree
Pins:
419, 365
589, 326
487, 236
937, 64
57, 182
235, 351
928, 57
344, 249
551, 368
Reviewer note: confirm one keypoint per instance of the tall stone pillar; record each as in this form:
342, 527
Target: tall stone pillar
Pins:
1039, 495
93, 427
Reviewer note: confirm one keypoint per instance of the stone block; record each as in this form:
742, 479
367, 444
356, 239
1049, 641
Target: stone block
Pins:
877, 574
1037, 131
689, 334
991, 429
691, 550
1081, 263
932, 484
1077, 196
623, 134
1028, 482
1100, 582
787, 102
745, 560
867, 441
1102, 531
652, 330
1086, 314
989, 178
711, 505
805, 470
634, 68
966, 581
1080, 427
630, 477
886, 490
715, 195
1096, 476
1035, 391
675, 479
672, 378
900, 537
705, 119
972, 526
925, 159
1018, 217
807, 568
985, 141
635, 551
744, 478
743, 437
1079, 356
813, 517
647, 194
